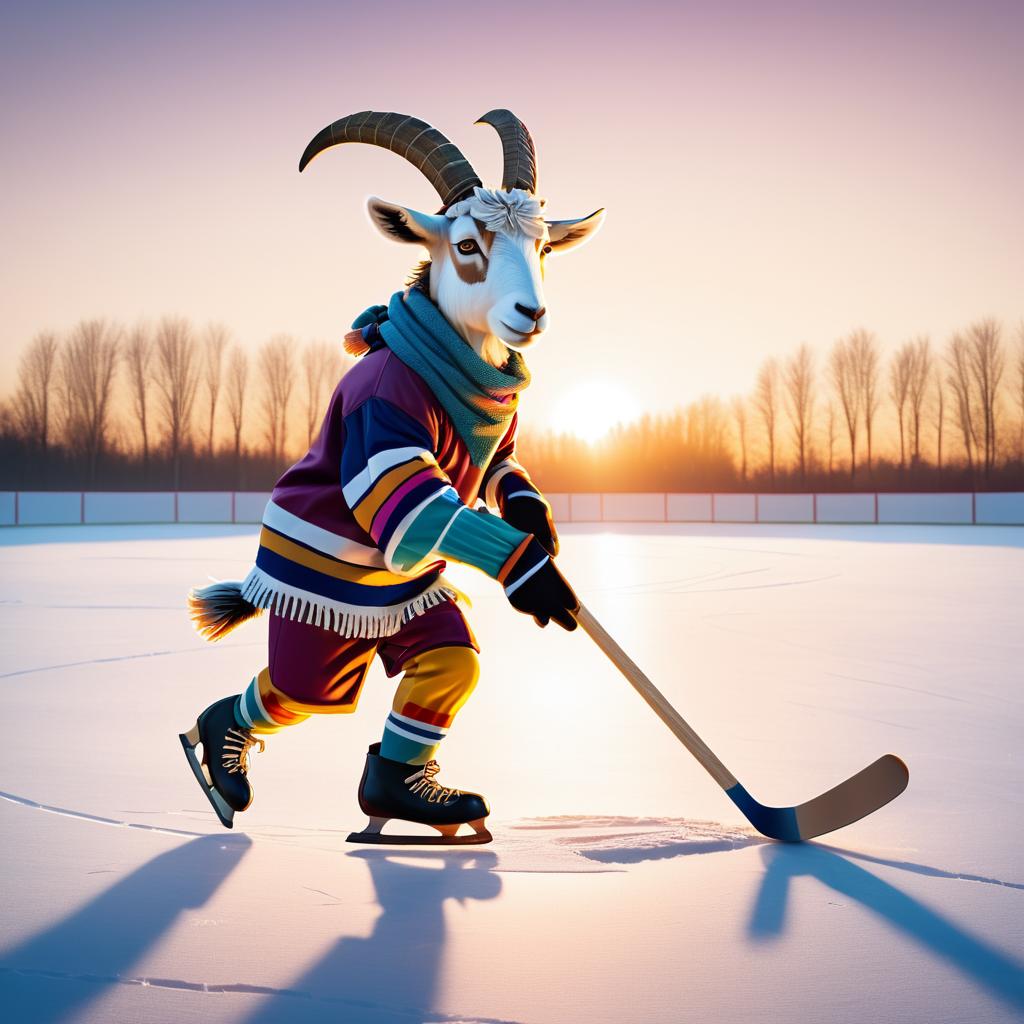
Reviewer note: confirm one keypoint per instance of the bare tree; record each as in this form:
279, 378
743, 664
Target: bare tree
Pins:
842, 370
88, 361
706, 430
215, 341
940, 416
322, 368
864, 356
961, 384
741, 417
799, 380
1019, 390
277, 370
986, 360
901, 370
177, 381
237, 379
920, 375
138, 356
31, 406
766, 403
831, 432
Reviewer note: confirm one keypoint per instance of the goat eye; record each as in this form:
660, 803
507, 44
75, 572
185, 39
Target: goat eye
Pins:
467, 247
546, 249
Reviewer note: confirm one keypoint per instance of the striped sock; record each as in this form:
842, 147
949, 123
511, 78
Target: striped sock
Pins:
260, 707
414, 735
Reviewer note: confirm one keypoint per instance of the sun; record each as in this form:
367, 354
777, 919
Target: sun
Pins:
592, 407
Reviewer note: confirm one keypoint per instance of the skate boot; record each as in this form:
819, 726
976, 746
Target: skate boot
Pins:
411, 792
222, 772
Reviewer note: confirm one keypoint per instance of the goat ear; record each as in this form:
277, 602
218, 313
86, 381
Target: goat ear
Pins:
567, 234
402, 224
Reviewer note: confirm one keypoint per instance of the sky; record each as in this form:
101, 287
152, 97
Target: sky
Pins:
772, 174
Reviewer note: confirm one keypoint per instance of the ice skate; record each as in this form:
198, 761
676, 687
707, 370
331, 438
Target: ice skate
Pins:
223, 770
409, 792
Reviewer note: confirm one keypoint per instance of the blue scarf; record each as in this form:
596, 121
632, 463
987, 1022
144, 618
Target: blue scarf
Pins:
479, 398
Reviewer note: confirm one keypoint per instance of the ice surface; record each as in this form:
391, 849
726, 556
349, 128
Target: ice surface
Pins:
622, 886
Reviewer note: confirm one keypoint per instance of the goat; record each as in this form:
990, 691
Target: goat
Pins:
487, 247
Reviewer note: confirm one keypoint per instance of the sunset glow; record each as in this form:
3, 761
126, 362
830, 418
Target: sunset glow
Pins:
591, 408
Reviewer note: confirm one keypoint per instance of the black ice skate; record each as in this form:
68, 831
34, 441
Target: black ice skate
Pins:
409, 792
223, 770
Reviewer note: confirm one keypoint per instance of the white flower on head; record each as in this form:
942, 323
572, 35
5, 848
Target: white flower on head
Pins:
512, 211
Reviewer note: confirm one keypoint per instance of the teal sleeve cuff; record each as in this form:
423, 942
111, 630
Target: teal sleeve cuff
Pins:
448, 527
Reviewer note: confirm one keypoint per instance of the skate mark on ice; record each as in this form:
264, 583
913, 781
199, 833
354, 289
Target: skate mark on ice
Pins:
757, 551
921, 869
631, 840
91, 661
843, 713
757, 586
94, 607
161, 558
98, 819
120, 657
770, 637
613, 839
915, 689
671, 585
413, 1014
574, 821
335, 900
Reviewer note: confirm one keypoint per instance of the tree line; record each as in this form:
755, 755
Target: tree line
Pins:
164, 405
169, 405
926, 417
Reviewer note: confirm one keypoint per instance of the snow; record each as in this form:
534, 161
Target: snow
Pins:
622, 885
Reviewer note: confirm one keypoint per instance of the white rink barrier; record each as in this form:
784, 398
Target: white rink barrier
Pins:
58, 508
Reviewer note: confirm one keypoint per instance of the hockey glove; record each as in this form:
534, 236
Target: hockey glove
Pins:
534, 586
532, 515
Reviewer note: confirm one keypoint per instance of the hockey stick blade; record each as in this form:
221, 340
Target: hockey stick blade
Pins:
857, 797
848, 802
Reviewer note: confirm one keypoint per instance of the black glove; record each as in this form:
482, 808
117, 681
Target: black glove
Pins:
535, 587
532, 515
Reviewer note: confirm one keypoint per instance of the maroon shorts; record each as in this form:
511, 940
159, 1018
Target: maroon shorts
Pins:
317, 667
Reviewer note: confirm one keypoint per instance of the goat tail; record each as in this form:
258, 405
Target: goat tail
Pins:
218, 608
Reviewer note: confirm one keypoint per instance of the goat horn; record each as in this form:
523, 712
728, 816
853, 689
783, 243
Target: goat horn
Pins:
517, 147
422, 145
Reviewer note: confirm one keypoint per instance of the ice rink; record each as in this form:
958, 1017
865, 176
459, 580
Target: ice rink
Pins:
622, 885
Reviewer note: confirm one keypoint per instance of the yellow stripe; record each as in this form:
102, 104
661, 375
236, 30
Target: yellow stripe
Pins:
384, 488
328, 566
439, 680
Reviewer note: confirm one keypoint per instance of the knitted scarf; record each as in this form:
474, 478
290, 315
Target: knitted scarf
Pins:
479, 398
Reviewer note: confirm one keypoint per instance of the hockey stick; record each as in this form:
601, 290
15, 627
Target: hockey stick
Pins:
851, 800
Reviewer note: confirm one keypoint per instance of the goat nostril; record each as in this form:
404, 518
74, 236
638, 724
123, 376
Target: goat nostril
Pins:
533, 314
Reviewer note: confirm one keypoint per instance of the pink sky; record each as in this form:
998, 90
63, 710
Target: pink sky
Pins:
771, 176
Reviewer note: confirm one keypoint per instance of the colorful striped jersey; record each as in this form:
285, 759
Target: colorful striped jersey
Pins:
356, 533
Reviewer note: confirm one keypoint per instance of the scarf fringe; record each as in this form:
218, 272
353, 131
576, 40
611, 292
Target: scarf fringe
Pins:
348, 620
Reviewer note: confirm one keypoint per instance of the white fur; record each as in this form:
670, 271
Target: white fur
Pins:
484, 312
513, 211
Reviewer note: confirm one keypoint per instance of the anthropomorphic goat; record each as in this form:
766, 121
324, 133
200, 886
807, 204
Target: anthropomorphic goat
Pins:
356, 534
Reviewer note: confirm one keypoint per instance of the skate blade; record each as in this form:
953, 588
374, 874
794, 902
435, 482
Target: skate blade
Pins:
372, 835
223, 810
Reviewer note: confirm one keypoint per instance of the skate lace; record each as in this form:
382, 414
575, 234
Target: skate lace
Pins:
237, 744
424, 784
